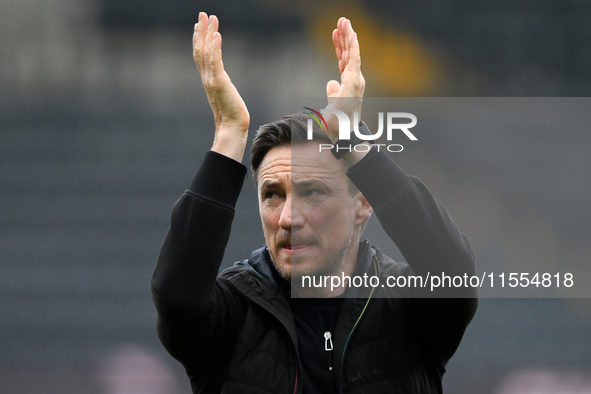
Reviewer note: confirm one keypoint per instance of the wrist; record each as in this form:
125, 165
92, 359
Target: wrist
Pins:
352, 150
354, 157
230, 143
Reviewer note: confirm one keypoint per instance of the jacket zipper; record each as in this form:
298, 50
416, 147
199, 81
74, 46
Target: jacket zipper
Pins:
295, 389
328, 348
373, 259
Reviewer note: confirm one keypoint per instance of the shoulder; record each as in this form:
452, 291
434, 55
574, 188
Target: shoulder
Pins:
253, 277
389, 266
258, 265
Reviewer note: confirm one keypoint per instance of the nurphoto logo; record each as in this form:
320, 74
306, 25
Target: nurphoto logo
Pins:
345, 128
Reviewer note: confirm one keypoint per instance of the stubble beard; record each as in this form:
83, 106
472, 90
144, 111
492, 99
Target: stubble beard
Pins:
326, 268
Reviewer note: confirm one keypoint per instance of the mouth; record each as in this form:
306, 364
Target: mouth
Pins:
294, 248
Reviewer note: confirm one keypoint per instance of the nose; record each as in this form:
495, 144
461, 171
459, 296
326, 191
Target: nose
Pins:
290, 219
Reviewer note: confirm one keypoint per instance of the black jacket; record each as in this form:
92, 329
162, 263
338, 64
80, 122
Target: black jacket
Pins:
234, 332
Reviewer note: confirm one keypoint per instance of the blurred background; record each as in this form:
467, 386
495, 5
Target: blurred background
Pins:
103, 123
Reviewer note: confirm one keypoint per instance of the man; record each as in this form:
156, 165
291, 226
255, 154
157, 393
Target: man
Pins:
254, 328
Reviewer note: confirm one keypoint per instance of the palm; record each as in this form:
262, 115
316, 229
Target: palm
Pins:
346, 96
228, 108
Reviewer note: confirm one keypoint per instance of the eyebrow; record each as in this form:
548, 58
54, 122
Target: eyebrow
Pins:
309, 183
305, 183
269, 184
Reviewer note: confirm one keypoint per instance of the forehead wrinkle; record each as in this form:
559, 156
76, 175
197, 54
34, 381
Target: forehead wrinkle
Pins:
286, 165
283, 164
301, 178
299, 174
274, 176
274, 167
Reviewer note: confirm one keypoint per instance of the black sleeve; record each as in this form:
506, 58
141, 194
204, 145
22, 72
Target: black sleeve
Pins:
429, 241
184, 286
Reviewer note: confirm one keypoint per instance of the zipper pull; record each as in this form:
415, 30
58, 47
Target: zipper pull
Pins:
327, 341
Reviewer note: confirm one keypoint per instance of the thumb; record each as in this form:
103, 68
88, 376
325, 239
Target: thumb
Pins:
332, 88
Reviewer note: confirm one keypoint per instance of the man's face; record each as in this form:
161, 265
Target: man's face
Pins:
310, 219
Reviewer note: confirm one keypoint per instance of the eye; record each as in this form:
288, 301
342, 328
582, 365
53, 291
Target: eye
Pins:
271, 195
311, 192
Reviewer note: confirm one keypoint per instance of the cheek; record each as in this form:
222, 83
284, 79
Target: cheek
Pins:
332, 211
269, 218
335, 221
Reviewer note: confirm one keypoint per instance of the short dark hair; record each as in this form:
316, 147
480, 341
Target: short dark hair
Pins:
289, 130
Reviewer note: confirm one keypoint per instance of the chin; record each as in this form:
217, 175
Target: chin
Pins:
282, 267
284, 272
310, 270
289, 273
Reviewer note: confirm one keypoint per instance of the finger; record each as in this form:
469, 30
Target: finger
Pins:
345, 42
350, 40
332, 88
354, 54
340, 33
341, 29
348, 31
351, 44
337, 45
340, 24
215, 23
217, 66
195, 35
211, 28
200, 39
342, 41
345, 60
202, 29
211, 25
195, 39
338, 50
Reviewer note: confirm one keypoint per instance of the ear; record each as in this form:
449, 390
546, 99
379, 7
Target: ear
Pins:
364, 210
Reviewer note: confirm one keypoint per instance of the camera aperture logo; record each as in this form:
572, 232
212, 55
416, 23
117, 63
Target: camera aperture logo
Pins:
345, 129
317, 116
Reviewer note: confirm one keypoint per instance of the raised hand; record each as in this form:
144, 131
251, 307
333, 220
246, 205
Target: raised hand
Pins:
230, 113
346, 96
